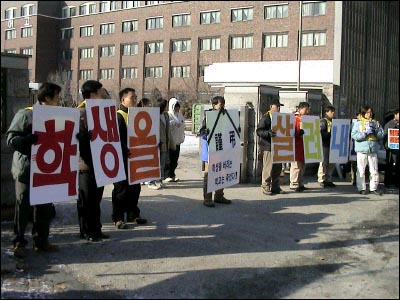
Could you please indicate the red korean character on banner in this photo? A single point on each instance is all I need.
(50, 140)
(283, 143)
(143, 145)
(108, 135)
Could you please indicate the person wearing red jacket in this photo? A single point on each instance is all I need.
(298, 167)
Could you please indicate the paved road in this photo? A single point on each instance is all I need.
(322, 243)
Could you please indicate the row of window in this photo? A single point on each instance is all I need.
(12, 33)
(211, 17)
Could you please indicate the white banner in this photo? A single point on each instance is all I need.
(105, 144)
(224, 149)
(339, 145)
(283, 146)
(312, 139)
(143, 138)
(55, 155)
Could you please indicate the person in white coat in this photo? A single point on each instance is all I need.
(177, 125)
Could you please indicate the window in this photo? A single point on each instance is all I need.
(153, 2)
(27, 51)
(181, 45)
(66, 33)
(276, 11)
(181, 20)
(106, 73)
(86, 52)
(10, 13)
(210, 44)
(154, 47)
(68, 11)
(86, 30)
(181, 71)
(11, 51)
(86, 74)
(106, 6)
(87, 9)
(313, 39)
(129, 73)
(27, 10)
(11, 34)
(201, 70)
(130, 4)
(129, 49)
(275, 40)
(107, 28)
(242, 14)
(313, 9)
(153, 72)
(67, 54)
(241, 42)
(210, 17)
(106, 51)
(26, 32)
(154, 23)
(131, 25)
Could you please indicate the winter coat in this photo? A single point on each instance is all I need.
(177, 122)
(264, 132)
(298, 138)
(366, 143)
(166, 139)
(325, 129)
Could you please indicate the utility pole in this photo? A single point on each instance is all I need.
(299, 44)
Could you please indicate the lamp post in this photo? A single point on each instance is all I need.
(299, 44)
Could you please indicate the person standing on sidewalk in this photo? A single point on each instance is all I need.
(271, 171)
(177, 125)
(392, 155)
(125, 197)
(20, 138)
(326, 169)
(298, 167)
(366, 132)
(90, 194)
(218, 103)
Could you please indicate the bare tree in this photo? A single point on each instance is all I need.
(61, 78)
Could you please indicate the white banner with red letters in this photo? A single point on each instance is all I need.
(54, 157)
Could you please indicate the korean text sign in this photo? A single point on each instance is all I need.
(393, 138)
(143, 138)
(224, 149)
(55, 155)
(339, 146)
(105, 144)
(283, 146)
(312, 140)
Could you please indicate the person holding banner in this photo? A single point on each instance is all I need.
(125, 197)
(326, 169)
(298, 167)
(366, 132)
(392, 153)
(20, 138)
(90, 194)
(218, 103)
(271, 171)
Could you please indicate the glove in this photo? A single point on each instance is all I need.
(272, 133)
(301, 131)
(30, 139)
(84, 136)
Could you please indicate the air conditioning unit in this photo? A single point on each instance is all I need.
(26, 20)
(10, 23)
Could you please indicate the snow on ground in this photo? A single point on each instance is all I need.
(191, 143)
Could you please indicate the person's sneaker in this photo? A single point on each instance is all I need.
(222, 200)
(298, 189)
(47, 248)
(273, 192)
(176, 179)
(139, 221)
(93, 239)
(322, 184)
(208, 203)
(153, 186)
(121, 225)
(376, 193)
(330, 184)
(267, 192)
(303, 188)
(19, 251)
(160, 184)
(169, 179)
(363, 192)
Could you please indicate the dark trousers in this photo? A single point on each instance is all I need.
(125, 199)
(89, 205)
(40, 215)
(392, 166)
(173, 161)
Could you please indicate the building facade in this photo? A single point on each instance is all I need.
(165, 46)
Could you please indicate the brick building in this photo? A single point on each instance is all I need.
(168, 44)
